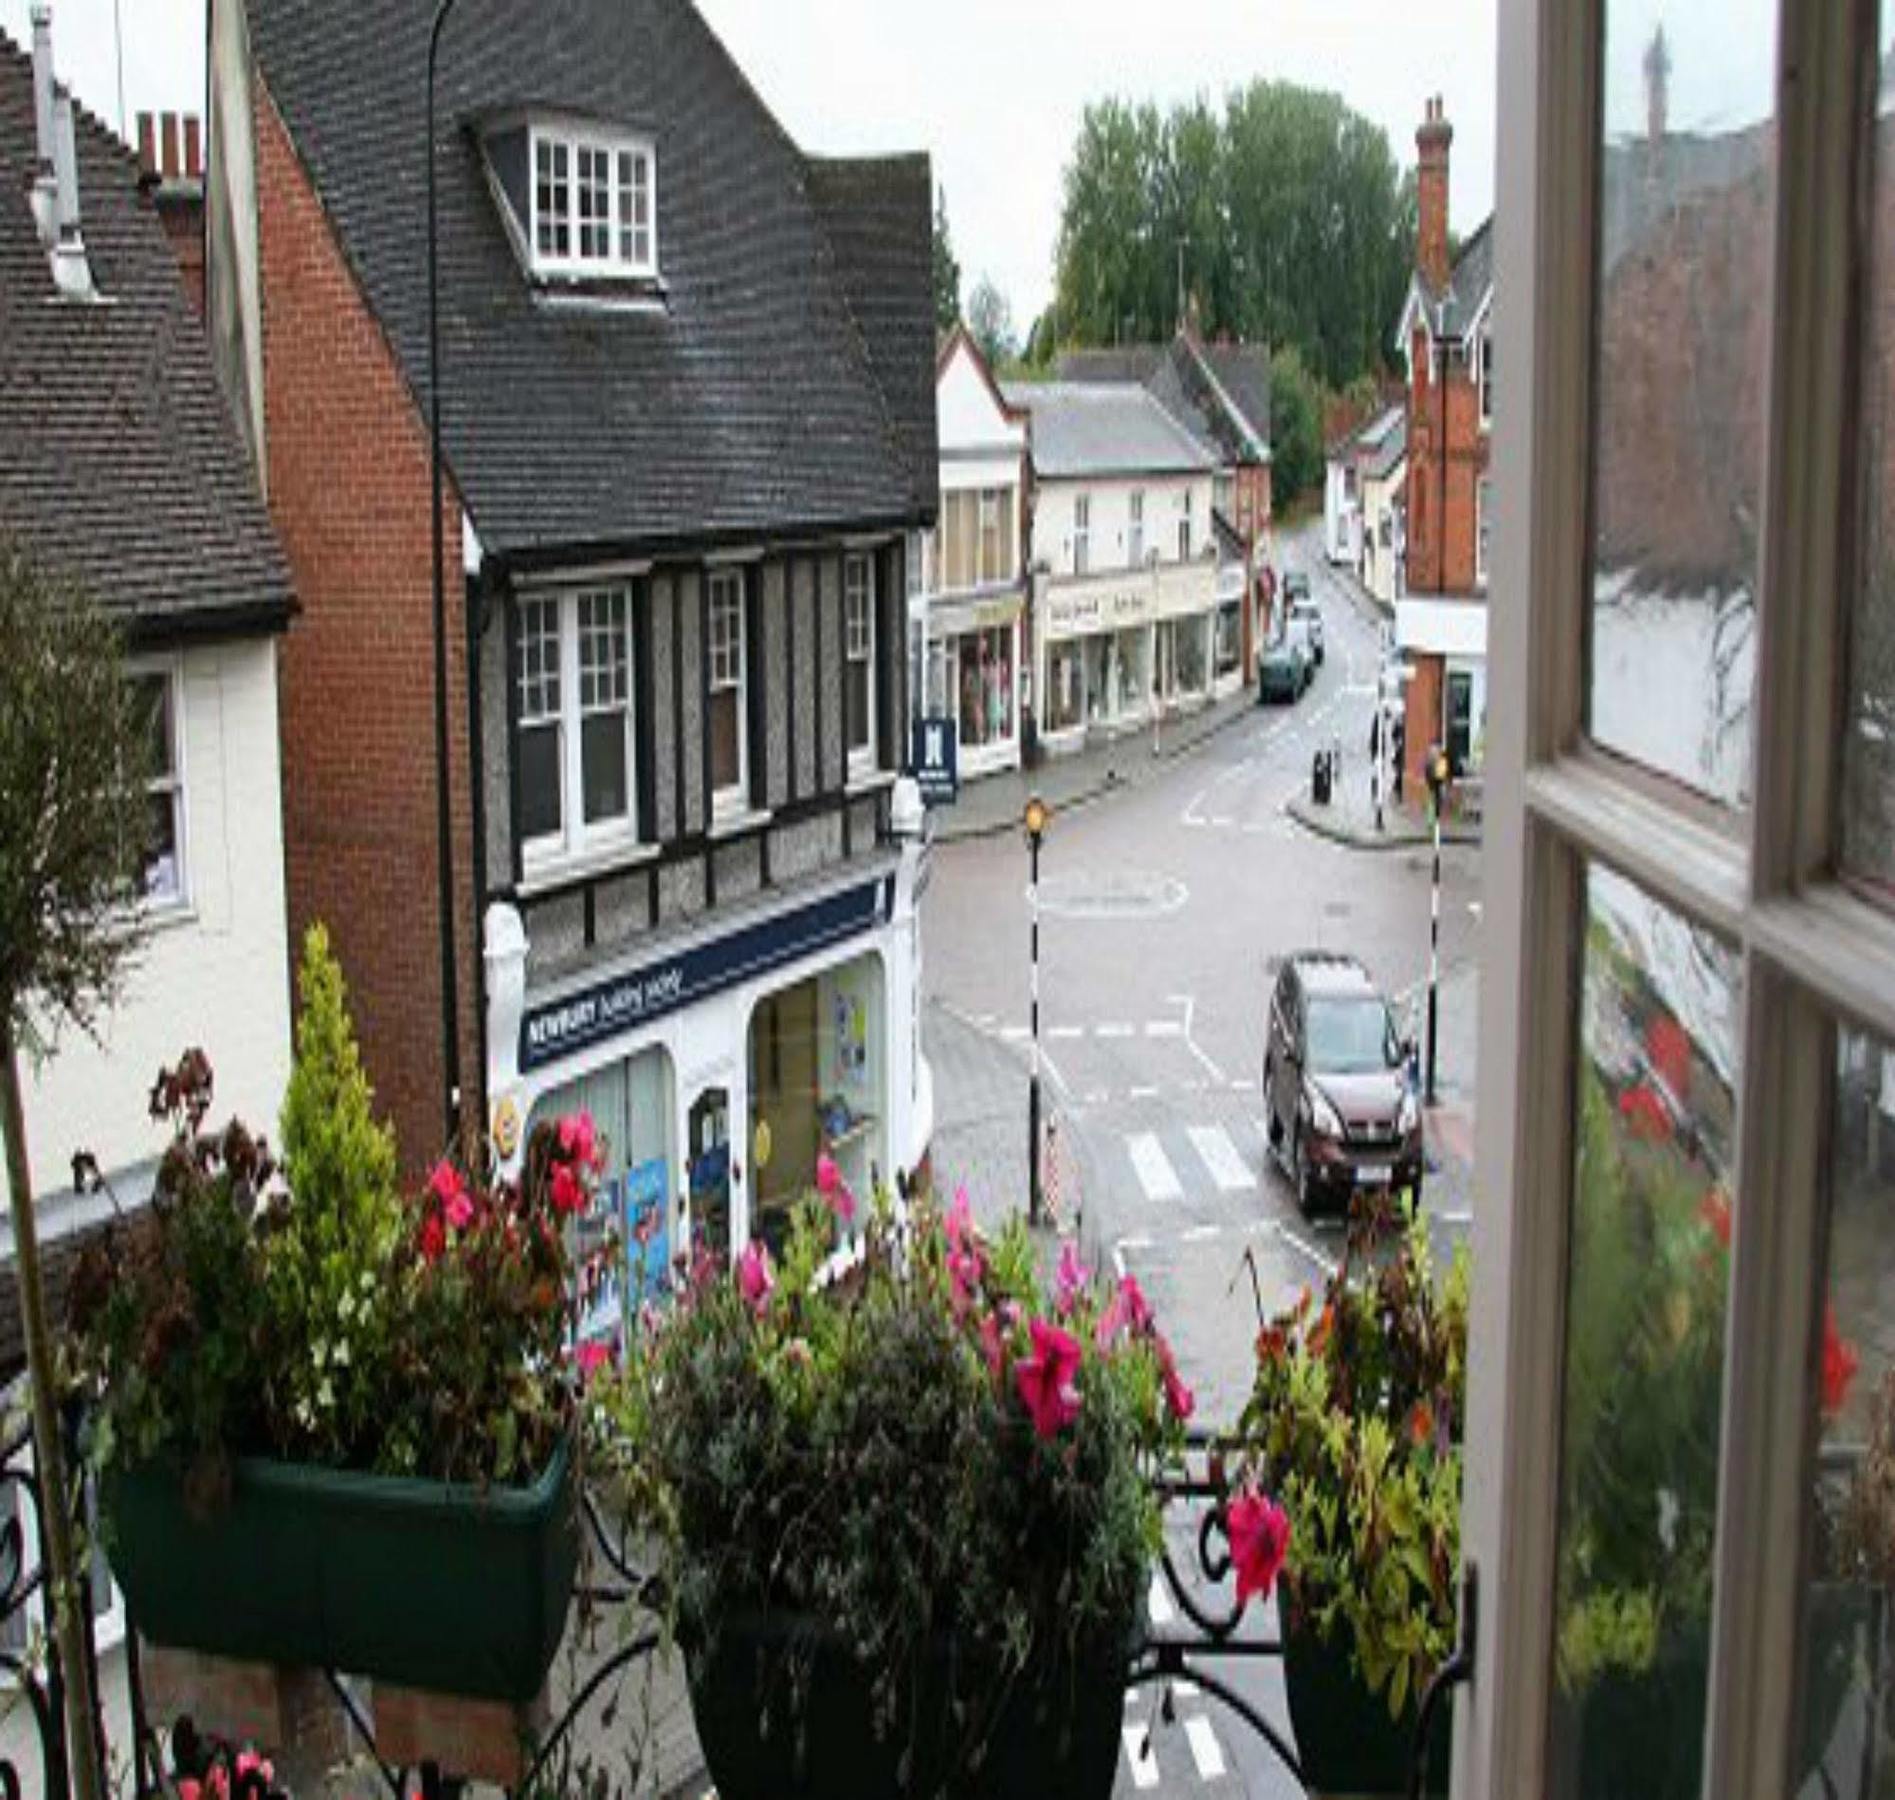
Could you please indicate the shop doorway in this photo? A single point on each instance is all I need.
(708, 1170)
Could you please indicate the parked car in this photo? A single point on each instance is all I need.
(1305, 614)
(1296, 631)
(1282, 672)
(1295, 585)
(1338, 1087)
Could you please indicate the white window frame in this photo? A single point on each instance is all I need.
(576, 842)
(1082, 534)
(170, 671)
(1486, 355)
(1812, 951)
(858, 646)
(620, 261)
(1135, 528)
(1185, 510)
(727, 670)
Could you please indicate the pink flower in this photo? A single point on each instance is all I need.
(1259, 1534)
(1071, 1280)
(445, 1181)
(1129, 1311)
(189, 1789)
(250, 1763)
(589, 1358)
(217, 1783)
(459, 1210)
(579, 1139)
(963, 1258)
(834, 1189)
(991, 1348)
(1045, 1379)
(754, 1280)
(569, 1194)
(1177, 1396)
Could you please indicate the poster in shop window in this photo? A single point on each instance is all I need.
(648, 1229)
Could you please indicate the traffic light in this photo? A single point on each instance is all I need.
(1439, 774)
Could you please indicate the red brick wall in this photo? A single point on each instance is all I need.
(182, 217)
(1422, 723)
(348, 481)
(1447, 456)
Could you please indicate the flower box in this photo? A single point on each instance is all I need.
(1054, 1734)
(1346, 1740)
(451, 1589)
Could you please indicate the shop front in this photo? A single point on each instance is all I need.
(973, 677)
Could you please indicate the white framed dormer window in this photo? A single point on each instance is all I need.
(593, 203)
(1184, 526)
(858, 644)
(157, 699)
(728, 680)
(574, 732)
(1135, 528)
(1082, 533)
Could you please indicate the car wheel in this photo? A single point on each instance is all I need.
(1275, 1125)
(1299, 1176)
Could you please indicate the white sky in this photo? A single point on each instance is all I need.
(993, 89)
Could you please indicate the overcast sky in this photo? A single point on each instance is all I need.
(994, 90)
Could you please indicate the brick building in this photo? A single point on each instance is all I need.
(687, 396)
(1446, 341)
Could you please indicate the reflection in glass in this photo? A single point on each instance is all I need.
(1684, 284)
(1644, 1352)
(1869, 759)
(1846, 1738)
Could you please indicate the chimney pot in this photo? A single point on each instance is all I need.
(193, 147)
(168, 145)
(147, 144)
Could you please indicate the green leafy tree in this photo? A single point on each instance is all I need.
(73, 825)
(990, 323)
(1296, 428)
(947, 272)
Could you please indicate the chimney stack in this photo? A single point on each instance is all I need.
(72, 274)
(45, 202)
(1432, 141)
(1657, 94)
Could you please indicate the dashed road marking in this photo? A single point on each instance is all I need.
(1201, 1234)
(1204, 1747)
(1219, 1156)
(1064, 1032)
(1141, 1093)
(1297, 1242)
(1013, 1034)
(1165, 1028)
(1112, 1031)
(1153, 1169)
(1158, 1603)
(1205, 1060)
(1139, 1753)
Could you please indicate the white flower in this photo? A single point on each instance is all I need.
(325, 1395)
(319, 1350)
(342, 1354)
(346, 1310)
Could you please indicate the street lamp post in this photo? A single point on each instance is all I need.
(1035, 822)
(1437, 788)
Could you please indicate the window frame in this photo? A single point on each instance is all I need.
(578, 138)
(1082, 534)
(168, 670)
(1135, 528)
(1814, 954)
(577, 842)
(1186, 513)
(862, 759)
(1483, 528)
(732, 800)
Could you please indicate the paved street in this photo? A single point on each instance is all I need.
(1162, 908)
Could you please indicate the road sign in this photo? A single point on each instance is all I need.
(936, 760)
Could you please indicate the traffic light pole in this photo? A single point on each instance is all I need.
(1033, 1084)
(1434, 938)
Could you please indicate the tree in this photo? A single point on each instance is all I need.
(73, 830)
(947, 272)
(990, 323)
(1296, 428)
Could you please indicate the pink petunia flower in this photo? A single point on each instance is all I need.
(1071, 1280)
(992, 1350)
(1045, 1379)
(834, 1189)
(458, 1210)
(444, 1182)
(589, 1359)
(1128, 1311)
(248, 1761)
(754, 1279)
(189, 1788)
(569, 1194)
(1259, 1534)
(579, 1138)
(1178, 1397)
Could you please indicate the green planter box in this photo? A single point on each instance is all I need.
(455, 1590)
(1346, 1742)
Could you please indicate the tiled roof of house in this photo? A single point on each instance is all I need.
(1243, 373)
(1106, 428)
(1456, 306)
(1383, 443)
(786, 382)
(120, 464)
(1219, 392)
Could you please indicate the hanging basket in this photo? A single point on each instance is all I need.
(451, 1589)
(1346, 1741)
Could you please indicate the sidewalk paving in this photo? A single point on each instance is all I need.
(1349, 819)
(994, 803)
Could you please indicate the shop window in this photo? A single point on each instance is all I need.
(1065, 687)
(1082, 533)
(727, 678)
(858, 635)
(1459, 723)
(1230, 637)
(1135, 528)
(707, 1171)
(983, 664)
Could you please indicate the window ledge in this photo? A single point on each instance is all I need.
(868, 781)
(563, 871)
(737, 822)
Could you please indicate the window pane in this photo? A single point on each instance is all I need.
(161, 876)
(1684, 285)
(858, 685)
(151, 702)
(1869, 759)
(602, 752)
(1845, 1744)
(539, 782)
(726, 764)
(1644, 1352)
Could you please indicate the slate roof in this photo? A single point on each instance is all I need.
(1382, 443)
(1243, 372)
(120, 463)
(1082, 428)
(1219, 392)
(1451, 310)
(787, 381)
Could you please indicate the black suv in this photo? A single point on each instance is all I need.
(1338, 1091)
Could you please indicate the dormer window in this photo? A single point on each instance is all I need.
(592, 199)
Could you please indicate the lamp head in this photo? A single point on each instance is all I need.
(1035, 818)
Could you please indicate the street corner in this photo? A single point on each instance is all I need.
(1350, 821)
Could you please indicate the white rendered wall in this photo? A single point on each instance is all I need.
(1111, 520)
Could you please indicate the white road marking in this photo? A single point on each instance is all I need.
(1204, 1749)
(1138, 1752)
(1199, 1234)
(1243, 1085)
(1139, 1240)
(1204, 1058)
(1052, 1070)
(1141, 1093)
(1164, 1028)
(1112, 1031)
(1219, 1155)
(1066, 1031)
(1158, 1603)
(1154, 1172)
(1013, 1034)
(1326, 1263)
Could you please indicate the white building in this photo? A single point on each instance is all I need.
(967, 613)
(1129, 613)
(1342, 507)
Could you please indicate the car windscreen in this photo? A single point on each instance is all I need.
(1351, 1037)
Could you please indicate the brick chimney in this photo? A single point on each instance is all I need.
(1431, 195)
(1657, 97)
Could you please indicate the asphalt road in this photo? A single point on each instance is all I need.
(1162, 910)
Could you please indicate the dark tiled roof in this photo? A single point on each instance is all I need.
(1383, 443)
(1106, 428)
(1242, 371)
(119, 461)
(1127, 362)
(750, 402)
(1218, 392)
(1469, 282)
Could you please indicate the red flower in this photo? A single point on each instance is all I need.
(1178, 1397)
(591, 1357)
(1421, 1423)
(1259, 1534)
(1715, 1211)
(1645, 1114)
(569, 1194)
(579, 1139)
(1325, 1324)
(1670, 1052)
(1840, 1363)
(834, 1189)
(1045, 1379)
(433, 1238)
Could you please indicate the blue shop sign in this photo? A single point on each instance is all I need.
(624, 1002)
(936, 760)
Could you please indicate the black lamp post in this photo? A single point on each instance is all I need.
(1034, 819)
(450, 988)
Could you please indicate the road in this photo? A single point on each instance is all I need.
(1162, 909)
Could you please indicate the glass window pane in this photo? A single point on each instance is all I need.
(160, 872)
(1644, 1352)
(1868, 834)
(1683, 302)
(539, 782)
(858, 682)
(726, 766)
(602, 754)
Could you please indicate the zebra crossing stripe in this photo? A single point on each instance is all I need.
(1158, 1603)
(1205, 1750)
(1154, 1171)
(1141, 1755)
(1219, 1156)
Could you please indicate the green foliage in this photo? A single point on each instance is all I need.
(1296, 429)
(73, 811)
(947, 272)
(1297, 227)
(856, 1452)
(1354, 1427)
(990, 323)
